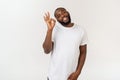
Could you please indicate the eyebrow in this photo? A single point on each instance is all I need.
(57, 14)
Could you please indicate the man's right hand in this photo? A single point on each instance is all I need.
(49, 21)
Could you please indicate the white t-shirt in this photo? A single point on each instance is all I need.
(65, 53)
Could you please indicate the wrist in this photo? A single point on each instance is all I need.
(49, 30)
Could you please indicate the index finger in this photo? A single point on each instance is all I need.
(48, 14)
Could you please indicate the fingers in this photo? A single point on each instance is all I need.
(47, 16)
(71, 76)
(53, 20)
(49, 21)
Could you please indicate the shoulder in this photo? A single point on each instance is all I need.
(80, 27)
(56, 29)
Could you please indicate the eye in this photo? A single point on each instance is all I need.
(58, 16)
(65, 12)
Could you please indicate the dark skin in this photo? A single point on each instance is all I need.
(63, 17)
(48, 44)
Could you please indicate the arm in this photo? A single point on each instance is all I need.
(48, 44)
(81, 61)
(82, 57)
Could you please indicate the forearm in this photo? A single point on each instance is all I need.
(81, 62)
(75, 75)
(47, 45)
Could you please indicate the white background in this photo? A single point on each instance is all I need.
(22, 32)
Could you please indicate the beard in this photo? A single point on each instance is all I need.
(65, 23)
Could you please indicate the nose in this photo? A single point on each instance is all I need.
(62, 15)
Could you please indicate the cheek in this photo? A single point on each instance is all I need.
(59, 19)
(66, 14)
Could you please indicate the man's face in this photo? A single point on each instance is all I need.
(63, 16)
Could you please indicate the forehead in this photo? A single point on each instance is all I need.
(60, 10)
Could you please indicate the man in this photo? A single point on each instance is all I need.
(67, 43)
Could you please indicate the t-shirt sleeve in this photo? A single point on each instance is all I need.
(84, 38)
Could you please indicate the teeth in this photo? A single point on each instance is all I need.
(65, 18)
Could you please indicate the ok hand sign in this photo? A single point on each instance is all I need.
(49, 21)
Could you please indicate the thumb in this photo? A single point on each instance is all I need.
(69, 78)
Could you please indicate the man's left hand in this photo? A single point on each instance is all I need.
(73, 76)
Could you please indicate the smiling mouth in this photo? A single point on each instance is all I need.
(65, 19)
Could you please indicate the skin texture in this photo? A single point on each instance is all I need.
(63, 17)
(48, 44)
